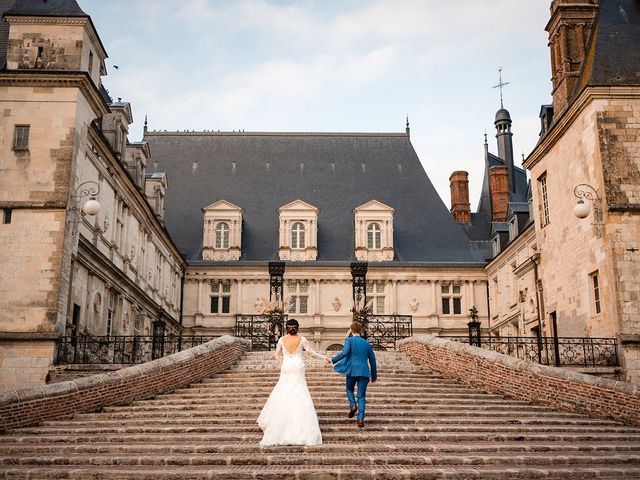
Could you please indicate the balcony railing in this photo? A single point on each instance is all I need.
(555, 351)
(122, 350)
(263, 331)
(383, 331)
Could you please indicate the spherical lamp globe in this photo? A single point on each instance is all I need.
(581, 210)
(91, 207)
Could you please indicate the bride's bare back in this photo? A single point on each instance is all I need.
(291, 343)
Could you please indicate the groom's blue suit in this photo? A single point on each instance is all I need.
(354, 362)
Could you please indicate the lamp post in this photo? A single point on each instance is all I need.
(359, 282)
(276, 280)
(474, 327)
(89, 190)
(584, 191)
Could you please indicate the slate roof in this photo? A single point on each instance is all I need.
(613, 54)
(47, 8)
(335, 172)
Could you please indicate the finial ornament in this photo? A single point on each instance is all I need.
(407, 121)
(500, 85)
(407, 129)
(145, 123)
(485, 137)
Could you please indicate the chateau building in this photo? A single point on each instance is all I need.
(318, 201)
(71, 266)
(97, 244)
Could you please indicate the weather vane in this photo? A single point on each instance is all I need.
(500, 85)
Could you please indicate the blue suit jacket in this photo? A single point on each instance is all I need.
(355, 358)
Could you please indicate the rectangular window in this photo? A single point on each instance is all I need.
(375, 296)
(595, 282)
(220, 297)
(544, 199)
(451, 299)
(111, 306)
(6, 216)
(298, 296)
(21, 137)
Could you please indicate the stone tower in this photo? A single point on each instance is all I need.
(505, 143)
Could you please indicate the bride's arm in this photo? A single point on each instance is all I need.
(307, 348)
(279, 349)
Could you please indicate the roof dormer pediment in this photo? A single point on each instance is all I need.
(374, 206)
(222, 205)
(298, 205)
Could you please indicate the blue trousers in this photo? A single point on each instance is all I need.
(362, 392)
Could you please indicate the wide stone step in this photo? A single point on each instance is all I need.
(254, 409)
(168, 446)
(101, 421)
(320, 374)
(373, 414)
(326, 458)
(348, 435)
(328, 389)
(328, 428)
(372, 400)
(314, 472)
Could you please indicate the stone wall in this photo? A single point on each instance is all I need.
(27, 407)
(523, 380)
(24, 359)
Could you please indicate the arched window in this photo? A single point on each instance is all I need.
(374, 236)
(222, 235)
(297, 235)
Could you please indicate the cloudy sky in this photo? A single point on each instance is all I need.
(334, 65)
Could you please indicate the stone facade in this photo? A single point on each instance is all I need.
(591, 270)
(66, 272)
(514, 305)
(403, 291)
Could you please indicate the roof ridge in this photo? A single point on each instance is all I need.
(272, 134)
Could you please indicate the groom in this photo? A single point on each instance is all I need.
(355, 358)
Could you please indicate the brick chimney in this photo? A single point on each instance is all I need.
(499, 185)
(460, 207)
(569, 29)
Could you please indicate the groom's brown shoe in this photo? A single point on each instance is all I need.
(361, 423)
(352, 412)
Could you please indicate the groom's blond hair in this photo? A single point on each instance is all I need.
(356, 327)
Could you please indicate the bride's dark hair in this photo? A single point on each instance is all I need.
(292, 326)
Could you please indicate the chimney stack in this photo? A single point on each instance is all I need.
(499, 185)
(460, 207)
(569, 29)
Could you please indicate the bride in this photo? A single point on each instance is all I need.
(289, 417)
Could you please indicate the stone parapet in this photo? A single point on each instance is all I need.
(520, 379)
(27, 407)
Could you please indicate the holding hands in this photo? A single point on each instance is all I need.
(327, 359)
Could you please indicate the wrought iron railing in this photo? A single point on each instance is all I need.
(262, 330)
(122, 349)
(554, 351)
(383, 331)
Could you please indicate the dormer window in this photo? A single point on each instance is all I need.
(298, 231)
(222, 231)
(374, 232)
(373, 236)
(297, 235)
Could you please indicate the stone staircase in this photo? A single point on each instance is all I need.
(419, 426)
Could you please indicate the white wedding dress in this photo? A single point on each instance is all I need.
(289, 417)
